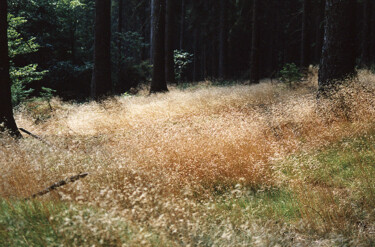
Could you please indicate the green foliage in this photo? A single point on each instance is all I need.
(26, 223)
(71, 78)
(290, 73)
(132, 69)
(182, 60)
(132, 45)
(47, 93)
(21, 76)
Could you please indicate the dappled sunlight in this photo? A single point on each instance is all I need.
(158, 160)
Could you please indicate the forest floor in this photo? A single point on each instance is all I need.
(205, 165)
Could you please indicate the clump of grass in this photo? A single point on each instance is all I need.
(28, 223)
(202, 166)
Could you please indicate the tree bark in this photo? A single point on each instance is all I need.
(101, 77)
(223, 39)
(319, 32)
(366, 34)
(304, 35)
(158, 83)
(254, 58)
(169, 43)
(338, 54)
(152, 6)
(182, 25)
(7, 122)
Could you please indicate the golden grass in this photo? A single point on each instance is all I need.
(157, 160)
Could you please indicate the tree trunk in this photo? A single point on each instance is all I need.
(169, 43)
(152, 5)
(304, 35)
(6, 112)
(223, 38)
(158, 83)
(254, 58)
(101, 77)
(120, 78)
(182, 24)
(366, 34)
(319, 33)
(338, 55)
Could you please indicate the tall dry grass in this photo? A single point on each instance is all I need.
(158, 161)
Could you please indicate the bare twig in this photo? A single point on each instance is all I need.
(59, 184)
(35, 136)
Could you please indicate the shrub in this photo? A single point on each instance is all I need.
(290, 73)
(21, 76)
(181, 60)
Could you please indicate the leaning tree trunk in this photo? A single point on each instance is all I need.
(101, 83)
(254, 58)
(339, 53)
(6, 112)
(169, 42)
(158, 83)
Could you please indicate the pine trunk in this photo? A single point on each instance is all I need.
(6, 112)
(152, 6)
(254, 58)
(182, 25)
(101, 77)
(366, 34)
(304, 35)
(338, 54)
(223, 39)
(169, 42)
(158, 83)
(319, 32)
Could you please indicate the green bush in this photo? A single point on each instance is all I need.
(133, 70)
(21, 76)
(290, 73)
(182, 60)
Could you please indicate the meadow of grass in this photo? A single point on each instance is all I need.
(208, 165)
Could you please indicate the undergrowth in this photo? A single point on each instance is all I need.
(235, 165)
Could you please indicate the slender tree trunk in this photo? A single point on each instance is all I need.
(197, 73)
(304, 35)
(158, 83)
(169, 43)
(223, 38)
(254, 59)
(73, 41)
(152, 6)
(101, 83)
(366, 34)
(338, 55)
(120, 78)
(6, 112)
(319, 33)
(182, 24)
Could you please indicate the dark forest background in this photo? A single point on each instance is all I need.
(211, 40)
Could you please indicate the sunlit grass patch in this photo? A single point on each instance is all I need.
(230, 165)
(335, 186)
(28, 223)
(272, 203)
(341, 165)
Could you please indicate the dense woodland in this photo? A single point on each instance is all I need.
(231, 40)
(187, 123)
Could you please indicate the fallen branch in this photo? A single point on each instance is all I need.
(59, 184)
(35, 136)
